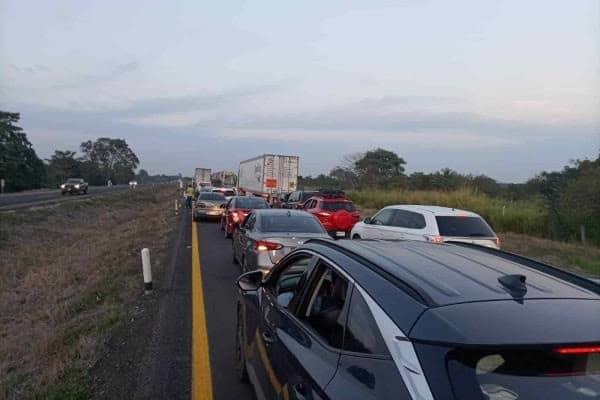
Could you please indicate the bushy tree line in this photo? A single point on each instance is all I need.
(99, 161)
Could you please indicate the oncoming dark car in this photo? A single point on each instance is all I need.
(415, 320)
(74, 186)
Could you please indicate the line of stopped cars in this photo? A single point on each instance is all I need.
(437, 312)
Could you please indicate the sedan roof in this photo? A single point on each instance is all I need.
(435, 210)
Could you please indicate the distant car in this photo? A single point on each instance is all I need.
(236, 211)
(74, 186)
(227, 192)
(268, 235)
(356, 320)
(133, 184)
(296, 198)
(209, 205)
(335, 211)
(426, 223)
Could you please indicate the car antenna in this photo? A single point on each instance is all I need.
(515, 285)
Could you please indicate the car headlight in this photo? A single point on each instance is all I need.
(77, 186)
(62, 186)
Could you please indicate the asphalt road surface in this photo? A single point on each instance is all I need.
(191, 354)
(12, 201)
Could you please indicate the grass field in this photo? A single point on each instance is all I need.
(68, 275)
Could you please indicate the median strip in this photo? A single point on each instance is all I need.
(201, 374)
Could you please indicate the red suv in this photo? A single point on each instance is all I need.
(236, 211)
(335, 211)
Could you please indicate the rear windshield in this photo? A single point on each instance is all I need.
(251, 202)
(337, 205)
(225, 192)
(211, 196)
(524, 374)
(290, 223)
(463, 227)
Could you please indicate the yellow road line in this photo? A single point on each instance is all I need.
(201, 375)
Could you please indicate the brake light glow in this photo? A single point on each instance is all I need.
(235, 216)
(578, 350)
(265, 246)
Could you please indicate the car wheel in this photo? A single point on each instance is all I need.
(63, 193)
(240, 340)
(85, 191)
(356, 236)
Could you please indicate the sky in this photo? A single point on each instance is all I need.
(503, 88)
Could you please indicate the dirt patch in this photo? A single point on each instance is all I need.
(69, 275)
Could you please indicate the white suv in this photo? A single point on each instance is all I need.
(426, 223)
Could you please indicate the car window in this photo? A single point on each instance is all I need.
(463, 226)
(310, 204)
(383, 217)
(362, 334)
(293, 196)
(251, 203)
(338, 205)
(292, 223)
(408, 219)
(250, 221)
(307, 195)
(479, 373)
(211, 196)
(290, 281)
(324, 313)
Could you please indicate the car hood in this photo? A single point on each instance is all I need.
(508, 322)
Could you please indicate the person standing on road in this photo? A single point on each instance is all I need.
(189, 193)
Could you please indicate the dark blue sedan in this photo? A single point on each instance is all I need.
(412, 320)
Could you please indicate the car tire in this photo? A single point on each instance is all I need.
(240, 340)
(356, 236)
(235, 260)
(85, 191)
(63, 193)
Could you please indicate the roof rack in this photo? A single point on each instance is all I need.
(589, 284)
(415, 292)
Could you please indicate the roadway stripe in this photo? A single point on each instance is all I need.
(201, 375)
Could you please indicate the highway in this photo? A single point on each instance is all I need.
(191, 353)
(13, 201)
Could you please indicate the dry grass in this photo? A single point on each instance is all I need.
(67, 274)
(572, 256)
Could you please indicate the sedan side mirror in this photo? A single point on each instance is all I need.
(367, 220)
(250, 281)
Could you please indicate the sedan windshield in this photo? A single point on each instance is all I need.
(211, 197)
(73, 180)
(463, 227)
(251, 202)
(290, 223)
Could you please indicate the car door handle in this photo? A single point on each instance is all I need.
(267, 337)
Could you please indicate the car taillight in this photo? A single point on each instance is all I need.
(434, 238)
(497, 240)
(265, 246)
(577, 350)
(235, 216)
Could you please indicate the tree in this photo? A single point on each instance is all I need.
(345, 178)
(63, 165)
(20, 166)
(108, 158)
(143, 176)
(379, 167)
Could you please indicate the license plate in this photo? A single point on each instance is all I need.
(340, 234)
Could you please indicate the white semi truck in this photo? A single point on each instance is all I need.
(202, 179)
(268, 174)
(224, 178)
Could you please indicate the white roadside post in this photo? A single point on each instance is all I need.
(2, 183)
(147, 270)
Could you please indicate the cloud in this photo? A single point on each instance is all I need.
(32, 69)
